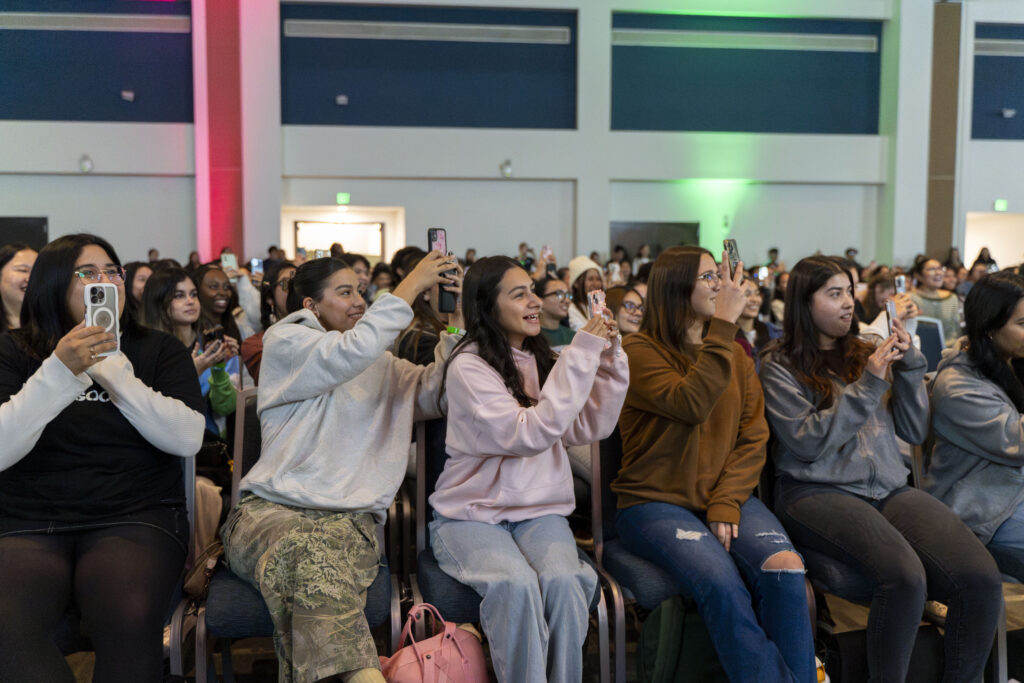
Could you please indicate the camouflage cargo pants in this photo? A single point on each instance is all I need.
(313, 568)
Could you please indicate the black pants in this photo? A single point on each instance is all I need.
(910, 545)
(122, 578)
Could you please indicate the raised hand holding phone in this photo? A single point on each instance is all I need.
(730, 299)
(433, 269)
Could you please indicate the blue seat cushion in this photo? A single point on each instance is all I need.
(832, 576)
(457, 601)
(234, 609)
(649, 583)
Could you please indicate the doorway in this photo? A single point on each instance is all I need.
(659, 236)
(366, 239)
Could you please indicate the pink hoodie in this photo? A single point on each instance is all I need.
(509, 463)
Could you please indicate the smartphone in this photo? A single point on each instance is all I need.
(213, 334)
(229, 262)
(321, 253)
(300, 251)
(762, 275)
(437, 239)
(900, 282)
(890, 309)
(597, 302)
(545, 252)
(256, 266)
(734, 253)
(101, 309)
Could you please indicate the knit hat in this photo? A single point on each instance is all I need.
(580, 265)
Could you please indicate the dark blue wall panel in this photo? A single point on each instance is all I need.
(428, 83)
(998, 84)
(757, 91)
(79, 75)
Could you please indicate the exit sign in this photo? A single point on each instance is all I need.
(1001, 205)
(343, 197)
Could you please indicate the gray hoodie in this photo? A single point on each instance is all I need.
(976, 462)
(852, 444)
(337, 409)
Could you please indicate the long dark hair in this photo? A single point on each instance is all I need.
(130, 269)
(988, 307)
(8, 252)
(798, 346)
(480, 292)
(268, 316)
(154, 309)
(207, 319)
(44, 312)
(668, 312)
(310, 280)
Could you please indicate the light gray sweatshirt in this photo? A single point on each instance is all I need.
(337, 409)
(852, 443)
(977, 460)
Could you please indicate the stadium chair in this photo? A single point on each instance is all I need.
(235, 609)
(458, 602)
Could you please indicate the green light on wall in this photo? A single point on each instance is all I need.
(1000, 205)
(344, 197)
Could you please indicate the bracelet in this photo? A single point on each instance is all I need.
(455, 330)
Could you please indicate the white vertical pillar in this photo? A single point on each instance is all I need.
(904, 120)
(260, 62)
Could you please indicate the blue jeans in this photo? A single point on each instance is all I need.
(767, 638)
(1011, 532)
(536, 592)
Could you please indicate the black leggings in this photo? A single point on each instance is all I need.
(122, 579)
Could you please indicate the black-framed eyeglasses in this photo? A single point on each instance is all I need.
(560, 295)
(114, 274)
(633, 308)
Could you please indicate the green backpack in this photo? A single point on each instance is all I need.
(675, 646)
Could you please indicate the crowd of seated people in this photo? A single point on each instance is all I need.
(695, 361)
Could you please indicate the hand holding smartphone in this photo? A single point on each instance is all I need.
(101, 308)
(734, 253)
(900, 283)
(437, 239)
(597, 302)
(890, 310)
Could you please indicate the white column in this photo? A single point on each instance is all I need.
(260, 66)
(904, 120)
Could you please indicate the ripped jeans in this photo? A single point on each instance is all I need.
(762, 639)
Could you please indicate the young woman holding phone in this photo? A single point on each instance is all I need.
(837, 403)
(693, 437)
(501, 502)
(92, 501)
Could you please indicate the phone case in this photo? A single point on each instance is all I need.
(597, 301)
(101, 309)
(890, 309)
(733, 251)
(437, 239)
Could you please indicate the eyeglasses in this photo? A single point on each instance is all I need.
(711, 277)
(561, 296)
(633, 308)
(114, 275)
(283, 283)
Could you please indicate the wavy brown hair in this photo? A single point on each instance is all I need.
(798, 348)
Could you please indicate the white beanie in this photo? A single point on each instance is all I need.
(578, 266)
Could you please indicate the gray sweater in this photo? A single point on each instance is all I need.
(851, 444)
(978, 456)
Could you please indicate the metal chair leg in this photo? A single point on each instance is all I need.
(602, 637)
(202, 647)
(177, 636)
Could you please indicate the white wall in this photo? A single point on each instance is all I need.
(797, 219)
(1002, 233)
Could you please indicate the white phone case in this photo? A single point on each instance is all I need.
(101, 309)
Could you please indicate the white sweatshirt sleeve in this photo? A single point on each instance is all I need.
(165, 422)
(50, 390)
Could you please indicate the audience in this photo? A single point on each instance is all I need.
(837, 405)
(627, 308)
(92, 502)
(304, 532)
(274, 306)
(533, 382)
(15, 268)
(693, 439)
(584, 277)
(555, 299)
(501, 502)
(934, 302)
(977, 408)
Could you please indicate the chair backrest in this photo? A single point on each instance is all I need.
(430, 458)
(932, 340)
(248, 439)
(605, 459)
